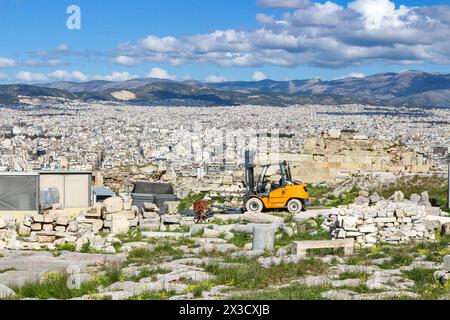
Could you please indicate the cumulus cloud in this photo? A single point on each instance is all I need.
(283, 3)
(310, 33)
(156, 44)
(68, 76)
(159, 73)
(115, 76)
(64, 75)
(124, 61)
(215, 79)
(258, 76)
(63, 48)
(7, 63)
(27, 76)
(42, 63)
(265, 19)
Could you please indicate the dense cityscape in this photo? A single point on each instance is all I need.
(195, 141)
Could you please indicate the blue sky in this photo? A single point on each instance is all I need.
(220, 39)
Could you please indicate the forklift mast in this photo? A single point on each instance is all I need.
(285, 172)
(249, 175)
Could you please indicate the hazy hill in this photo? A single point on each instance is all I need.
(413, 88)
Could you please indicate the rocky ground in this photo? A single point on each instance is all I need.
(216, 261)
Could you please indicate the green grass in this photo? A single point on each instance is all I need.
(101, 298)
(426, 284)
(240, 239)
(319, 192)
(435, 185)
(142, 256)
(188, 202)
(66, 247)
(420, 276)
(285, 239)
(185, 241)
(117, 246)
(182, 229)
(354, 275)
(7, 269)
(53, 287)
(434, 251)
(403, 254)
(111, 275)
(150, 295)
(294, 292)
(255, 276)
(86, 248)
(319, 234)
(323, 197)
(147, 273)
(361, 289)
(400, 258)
(131, 236)
(344, 199)
(197, 289)
(227, 222)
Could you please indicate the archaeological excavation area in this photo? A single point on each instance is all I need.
(374, 248)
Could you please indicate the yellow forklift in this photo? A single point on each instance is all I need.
(263, 195)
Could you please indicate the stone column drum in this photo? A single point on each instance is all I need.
(263, 237)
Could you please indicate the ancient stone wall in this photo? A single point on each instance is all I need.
(335, 156)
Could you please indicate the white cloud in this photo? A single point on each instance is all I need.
(30, 76)
(64, 75)
(352, 75)
(115, 76)
(7, 63)
(63, 48)
(283, 3)
(264, 18)
(156, 44)
(3, 77)
(378, 13)
(68, 76)
(215, 79)
(159, 73)
(258, 76)
(124, 60)
(42, 63)
(316, 34)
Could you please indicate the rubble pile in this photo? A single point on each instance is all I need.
(386, 221)
(7, 230)
(443, 276)
(95, 228)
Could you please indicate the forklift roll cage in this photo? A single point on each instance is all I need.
(255, 189)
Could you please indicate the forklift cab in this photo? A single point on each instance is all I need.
(262, 186)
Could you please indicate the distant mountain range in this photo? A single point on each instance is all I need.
(408, 88)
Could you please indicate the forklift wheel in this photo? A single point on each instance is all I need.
(295, 206)
(254, 205)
